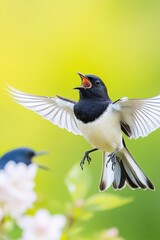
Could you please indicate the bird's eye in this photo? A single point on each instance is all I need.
(97, 82)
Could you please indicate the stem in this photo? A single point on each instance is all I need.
(2, 234)
(71, 218)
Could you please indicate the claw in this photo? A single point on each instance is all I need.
(89, 159)
(112, 158)
(86, 156)
(81, 164)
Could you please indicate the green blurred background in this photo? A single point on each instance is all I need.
(43, 44)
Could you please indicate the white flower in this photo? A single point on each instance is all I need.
(42, 226)
(16, 188)
(112, 232)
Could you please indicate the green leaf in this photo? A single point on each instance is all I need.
(85, 215)
(78, 182)
(74, 231)
(102, 202)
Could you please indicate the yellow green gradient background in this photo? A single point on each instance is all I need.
(43, 44)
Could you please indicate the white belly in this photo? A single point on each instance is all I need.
(104, 133)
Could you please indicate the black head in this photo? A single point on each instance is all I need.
(18, 155)
(92, 86)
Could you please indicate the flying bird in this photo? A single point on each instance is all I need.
(18, 155)
(101, 122)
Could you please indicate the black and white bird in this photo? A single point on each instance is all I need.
(101, 122)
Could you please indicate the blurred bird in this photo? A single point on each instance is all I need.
(23, 155)
(101, 122)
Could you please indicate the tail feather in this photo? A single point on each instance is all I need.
(120, 179)
(126, 171)
(130, 181)
(134, 171)
(107, 173)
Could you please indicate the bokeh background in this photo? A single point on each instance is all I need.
(43, 44)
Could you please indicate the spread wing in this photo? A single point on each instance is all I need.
(139, 117)
(58, 110)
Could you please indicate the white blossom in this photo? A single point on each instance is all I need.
(112, 232)
(42, 226)
(17, 188)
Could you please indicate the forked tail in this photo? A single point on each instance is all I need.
(126, 171)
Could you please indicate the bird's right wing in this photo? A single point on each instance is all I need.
(58, 110)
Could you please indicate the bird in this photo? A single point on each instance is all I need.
(102, 122)
(20, 155)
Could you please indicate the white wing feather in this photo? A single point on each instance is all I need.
(57, 110)
(141, 115)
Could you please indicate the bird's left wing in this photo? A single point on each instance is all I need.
(58, 110)
(138, 117)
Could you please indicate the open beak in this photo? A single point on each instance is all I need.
(39, 154)
(43, 167)
(86, 84)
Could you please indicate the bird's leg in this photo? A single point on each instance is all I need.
(112, 158)
(86, 156)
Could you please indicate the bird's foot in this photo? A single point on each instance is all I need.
(87, 157)
(112, 158)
